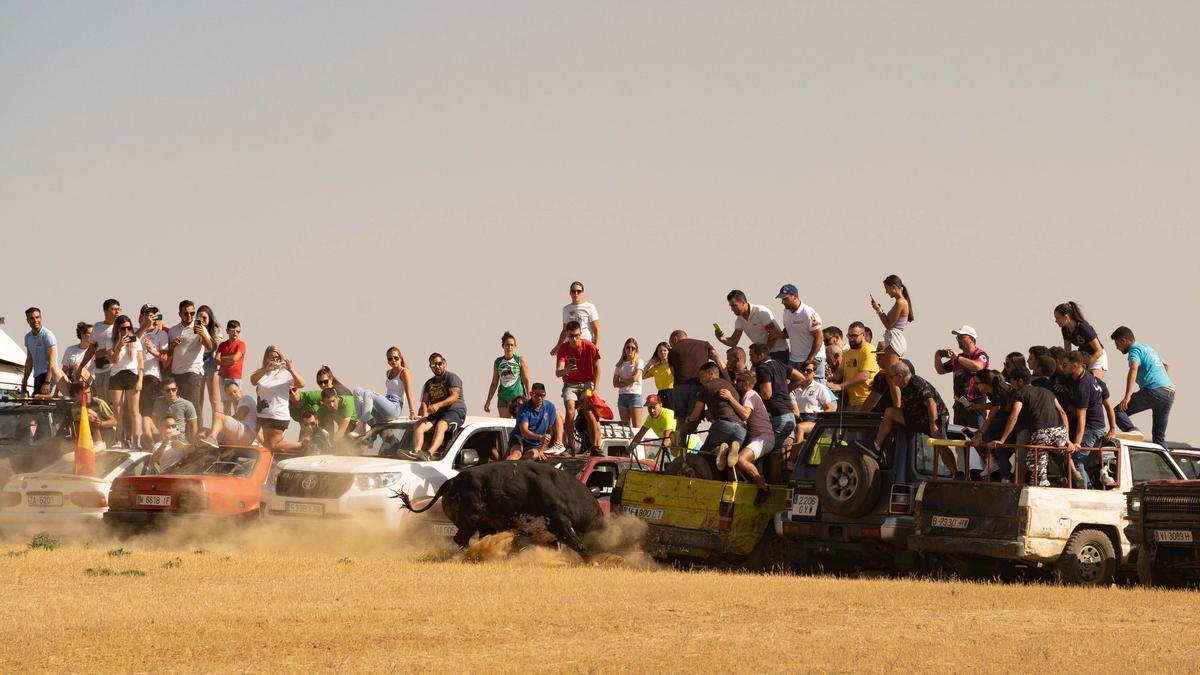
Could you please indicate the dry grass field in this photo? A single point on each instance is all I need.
(264, 601)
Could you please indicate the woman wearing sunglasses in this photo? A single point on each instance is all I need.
(125, 384)
(628, 380)
(379, 408)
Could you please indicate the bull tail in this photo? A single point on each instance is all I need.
(404, 500)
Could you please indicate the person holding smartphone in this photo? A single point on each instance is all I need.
(275, 380)
(188, 340)
(125, 385)
(154, 342)
(969, 401)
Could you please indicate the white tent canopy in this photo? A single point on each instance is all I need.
(12, 362)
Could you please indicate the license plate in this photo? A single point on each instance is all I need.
(45, 499)
(1173, 536)
(641, 512)
(445, 529)
(948, 521)
(804, 505)
(154, 500)
(306, 508)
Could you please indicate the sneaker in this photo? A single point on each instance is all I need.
(1132, 435)
(1106, 480)
(722, 461)
(734, 450)
(763, 495)
(556, 449)
(206, 442)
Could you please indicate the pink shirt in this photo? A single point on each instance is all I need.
(759, 424)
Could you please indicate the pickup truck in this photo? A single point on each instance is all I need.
(703, 521)
(982, 528)
(849, 508)
(1165, 525)
(33, 433)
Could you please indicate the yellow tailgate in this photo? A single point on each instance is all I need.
(673, 501)
(750, 521)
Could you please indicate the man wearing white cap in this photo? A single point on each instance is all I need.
(970, 359)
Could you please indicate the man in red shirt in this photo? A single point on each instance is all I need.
(578, 363)
(231, 354)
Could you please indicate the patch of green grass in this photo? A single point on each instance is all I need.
(16, 554)
(110, 572)
(118, 552)
(44, 541)
(173, 563)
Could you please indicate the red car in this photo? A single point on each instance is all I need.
(224, 484)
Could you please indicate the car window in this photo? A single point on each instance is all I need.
(106, 461)
(486, 442)
(1147, 465)
(137, 468)
(924, 457)
(387, 441)
(1189, 466)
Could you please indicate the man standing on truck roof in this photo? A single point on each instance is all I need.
(578, 364)
(686, 357)
(802, 328)
(41, 353)
(1156, 391)
(726, 428)
(755, 321)
(858, 367)
(1033, 409)
(921, 410)
(969, 402)
(101, 349)
(760, 439)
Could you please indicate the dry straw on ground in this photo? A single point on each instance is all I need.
(253, 602)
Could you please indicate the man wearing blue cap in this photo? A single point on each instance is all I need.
(802, 328)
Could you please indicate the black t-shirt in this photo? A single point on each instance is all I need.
(912, 402)
(881, 386)
(770, 370)
(686, 358)
(1081, 337)
(1063, 387)
(1039, 403)
(709, 394)
(1088, 393)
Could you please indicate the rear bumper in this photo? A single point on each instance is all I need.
(145, 518)
(892, 531)
(370, 511)
(15, 521)
(990, 548)
(672, 542)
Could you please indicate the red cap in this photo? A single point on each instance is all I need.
(653, 399)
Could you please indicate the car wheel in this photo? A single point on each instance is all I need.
(848, 482)
(1088, 559)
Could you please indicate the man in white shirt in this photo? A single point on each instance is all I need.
(802, 328)
(241, 428)
(188, 341)
(154, 347)
(755, 321)
(101, 349)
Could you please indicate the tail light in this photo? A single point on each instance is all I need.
(89, 500)
(901, 500)
(9, 499)
(725, 517)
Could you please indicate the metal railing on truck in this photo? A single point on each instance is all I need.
(1018, 466)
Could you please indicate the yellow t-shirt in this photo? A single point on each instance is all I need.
(855, 361)
(663, 377)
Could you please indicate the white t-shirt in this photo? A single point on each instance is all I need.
(755, 327)
(102, 335)
(585, 313)
(71, 358)
(799, 326)
(626, 369)
(813, 398)
(127, 357)
(250, 421)
(189, 355)
(275, 388)
(158, 339)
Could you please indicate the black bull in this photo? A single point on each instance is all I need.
(494, 497)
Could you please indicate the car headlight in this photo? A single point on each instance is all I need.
(1135, 505)
(373, 481)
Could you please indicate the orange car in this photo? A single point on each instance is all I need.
(225, 483)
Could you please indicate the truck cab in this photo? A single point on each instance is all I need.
(848, 506)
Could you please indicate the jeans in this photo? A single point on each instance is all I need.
(723, 430)
(383, 409)
(1089, 440)
(685, 396)
(1158, 402)
(191, 387)
(783, 426)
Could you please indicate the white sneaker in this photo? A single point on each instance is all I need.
(722, 462)
(206, 442)
(556, 449)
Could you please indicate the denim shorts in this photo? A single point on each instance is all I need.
(630, 400)
(573, 391)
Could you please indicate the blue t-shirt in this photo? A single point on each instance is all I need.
(1088, 393)
(1151, 374)
(39, 345)
(539, 421)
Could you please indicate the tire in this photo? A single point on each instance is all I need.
(1087, 560)
(767, 555)
(692, 466)
(848, 483)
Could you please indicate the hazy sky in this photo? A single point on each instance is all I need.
(346, 176)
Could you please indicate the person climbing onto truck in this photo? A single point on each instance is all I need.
(921, 408)
(760, 438)
(726, 428)
(1156, 391)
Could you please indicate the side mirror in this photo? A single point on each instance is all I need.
(468, 457)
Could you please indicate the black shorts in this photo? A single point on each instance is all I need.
(122, 381)
(449, 416)
(278, 425)
(151, 392)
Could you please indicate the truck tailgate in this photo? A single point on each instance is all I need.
(977, 510)
(672, 501)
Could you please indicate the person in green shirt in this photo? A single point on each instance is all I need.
(510, 377)
(311, 400)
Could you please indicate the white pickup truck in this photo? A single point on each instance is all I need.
(987, 528)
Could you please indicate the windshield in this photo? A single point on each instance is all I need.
(1190, 466)
(1149, 465)
(106, 461)
(22, 426)
(225, 462)
(396, 440)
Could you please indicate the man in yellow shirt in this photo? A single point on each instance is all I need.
(660, 420)
(858, 367)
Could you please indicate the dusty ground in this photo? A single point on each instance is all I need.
(271, 602)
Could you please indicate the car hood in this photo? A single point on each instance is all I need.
(341, 464)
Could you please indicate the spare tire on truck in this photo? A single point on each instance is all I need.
(848, 482)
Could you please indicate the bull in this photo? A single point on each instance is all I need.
(496, 497)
